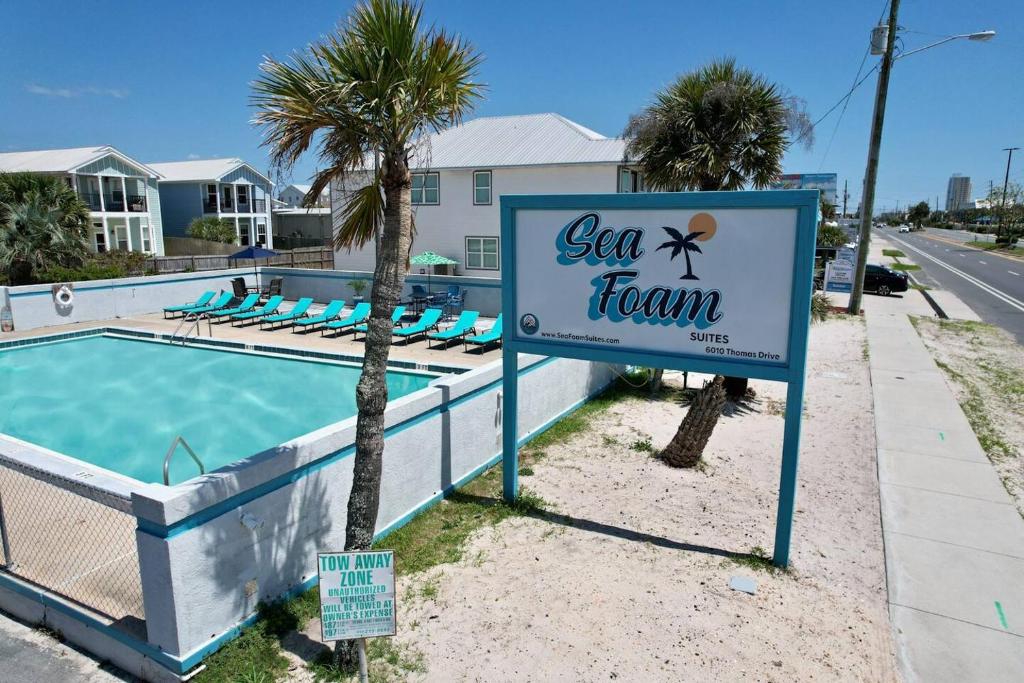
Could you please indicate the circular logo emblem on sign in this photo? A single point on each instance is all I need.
(529, 323)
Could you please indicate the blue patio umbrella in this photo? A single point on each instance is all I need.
(253, 253)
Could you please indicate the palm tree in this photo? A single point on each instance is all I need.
(721, 127)
(42, 223)
(363, 96)
(677, 244)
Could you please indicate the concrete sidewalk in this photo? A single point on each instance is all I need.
(954, 542)
(28, 655)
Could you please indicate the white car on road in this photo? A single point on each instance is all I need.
(904, 228)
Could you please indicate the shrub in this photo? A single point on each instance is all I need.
(821, 308)
(106, 266)
(212, 229)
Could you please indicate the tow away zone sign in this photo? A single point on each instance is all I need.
(357, 594)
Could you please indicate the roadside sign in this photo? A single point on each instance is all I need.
(846, 254)
(839, 276)
(357, 594)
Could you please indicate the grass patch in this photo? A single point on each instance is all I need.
(526, 471)
(905, 266)
(758, 560)
(992, 246)
(894, 253)
(386, 660)
(643, 445)
(920, 288)
(973, 406)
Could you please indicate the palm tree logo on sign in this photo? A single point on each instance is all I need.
(702, 227)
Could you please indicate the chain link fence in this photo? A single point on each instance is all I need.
(71, 539)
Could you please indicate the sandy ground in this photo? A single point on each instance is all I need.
(985, 364)
(629, 580)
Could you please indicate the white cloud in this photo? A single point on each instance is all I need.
(192, 156)
(46, 91)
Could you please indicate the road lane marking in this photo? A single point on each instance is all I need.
(1002, 296)
(1013, 273)
(983, 263)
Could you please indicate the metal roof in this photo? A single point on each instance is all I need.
(63, 160)
(201, 169)
(526, 140)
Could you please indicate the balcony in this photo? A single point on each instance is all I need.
(226, 205)
(137, 203)
(91, 199)
(209, 206)
(113, 202)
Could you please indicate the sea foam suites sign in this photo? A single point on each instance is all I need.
(712, 283)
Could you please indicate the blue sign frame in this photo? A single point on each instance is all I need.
(791, 371)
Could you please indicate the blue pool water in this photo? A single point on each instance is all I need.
(118, 403)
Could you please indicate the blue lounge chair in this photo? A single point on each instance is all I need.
(248, 303)
(396, 319)
(462, 327)
(223, 300)
(206, 298)
(269, 308)
(330, 313)
(489, 337)
(298, 311)
(358, 315)
(427, 322)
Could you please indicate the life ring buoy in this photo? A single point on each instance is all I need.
(64, 297)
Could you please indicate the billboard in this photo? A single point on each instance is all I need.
(828, 183)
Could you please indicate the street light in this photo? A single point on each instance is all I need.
(884, 35)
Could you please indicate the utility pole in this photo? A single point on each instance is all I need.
(1006, 181)
(871, 174)
(846, 196)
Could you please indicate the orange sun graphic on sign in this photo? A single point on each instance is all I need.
(705, 224)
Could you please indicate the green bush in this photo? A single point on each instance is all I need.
(212, 229)
(106, 266)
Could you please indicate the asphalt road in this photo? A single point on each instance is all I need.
(991, 284)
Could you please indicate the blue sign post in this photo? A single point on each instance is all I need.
(597, 277)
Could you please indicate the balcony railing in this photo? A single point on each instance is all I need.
(137, 202)
(91, 199)
(113, 202)
(225, 205)
(209, 206)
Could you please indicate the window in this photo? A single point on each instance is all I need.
(426, 188)
(211, 198)
(99, 237)
(482, 253)
(261, 234)
(121, 233)
(481, 187)
(243, 233)
(243, 195)
(146, 242)
(226, 201)
(630, 180)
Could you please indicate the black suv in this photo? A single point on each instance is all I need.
(884, 281)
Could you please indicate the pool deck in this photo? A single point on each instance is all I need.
(416, 351)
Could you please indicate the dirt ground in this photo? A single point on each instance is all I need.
(629, 578)
(986, 369)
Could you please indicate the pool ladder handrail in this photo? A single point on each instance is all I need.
(179, 439)
(196, 319)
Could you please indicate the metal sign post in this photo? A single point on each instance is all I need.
(713, 282)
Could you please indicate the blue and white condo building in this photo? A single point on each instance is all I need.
(230, 189)
(121, 193)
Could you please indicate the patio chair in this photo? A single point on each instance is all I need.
(491, 336)
(269, 308)
(428, 321)
(396, 319)
(419, 297)
(225, 299)
(238, 287)
(206, 298)
(332, 311)
(298, 311)
(274, 288)
(248, 303)
(358, 315)
(455, 300)
(463, 326)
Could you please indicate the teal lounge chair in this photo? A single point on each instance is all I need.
(248, 303)
(330, 313)
(269, 308)
(206, 298)
(223, 300)
(298, 311)
(489, 337)
(358, 315)
(426, 323)
(462, 327)
(396, 318)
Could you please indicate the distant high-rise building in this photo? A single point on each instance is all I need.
(958, 192)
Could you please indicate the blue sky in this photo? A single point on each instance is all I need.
(165, 81)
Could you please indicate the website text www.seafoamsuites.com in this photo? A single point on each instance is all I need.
(568, 336)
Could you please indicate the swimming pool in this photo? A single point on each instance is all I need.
(118, 403)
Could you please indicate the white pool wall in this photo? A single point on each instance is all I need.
(203, 575)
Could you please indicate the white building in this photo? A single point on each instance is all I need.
(121, 193)
(293, 195)
(958, 193)
(461, 172)
(229, 189)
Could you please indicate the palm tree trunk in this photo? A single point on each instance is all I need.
(372, 391)
(687, 446)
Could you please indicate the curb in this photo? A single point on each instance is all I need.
(928, 297)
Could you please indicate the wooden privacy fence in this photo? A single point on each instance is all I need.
(321, 258)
